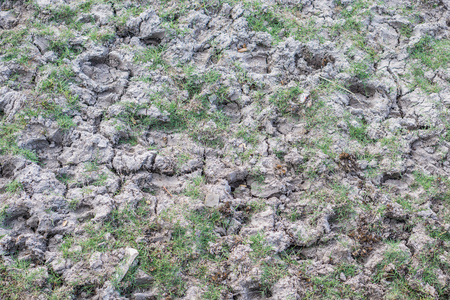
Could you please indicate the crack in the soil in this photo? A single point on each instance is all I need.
(399, 92)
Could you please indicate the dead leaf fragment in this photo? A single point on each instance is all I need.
(243, 49)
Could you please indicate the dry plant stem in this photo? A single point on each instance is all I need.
(167, 191)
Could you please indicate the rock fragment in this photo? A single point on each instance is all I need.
(212, 200)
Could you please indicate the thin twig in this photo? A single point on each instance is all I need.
(167, 191)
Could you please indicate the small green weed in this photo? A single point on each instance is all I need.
(394, 255)
(438, 233)
(250, 137)
(359, 132)
(428, 182)
(286, 100)
(193, 188)
(270, 275)
(259, 246)
(257, 175)
(213, 292)
(267, 20)
(431, 52)
(3, 214)
(324, 144)
(62, 47)
(132, 11)
(57, 80)
(280, 154)
(63, 13)
(308, 31)
(330, 287)
(153, 55)
(8, 144)
(406, 31)
(86, 6)
(101, 180)
(419, 79)
(362, 70)
(271, 272)
(101, 36)
(57, 83)
(19, 281)
(13, 187)
(91, 166)
(183, 158)
(10, 40)
(73, 204)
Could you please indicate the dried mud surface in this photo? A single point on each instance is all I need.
(224, 149)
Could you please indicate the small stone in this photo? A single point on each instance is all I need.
(50, 56)
(143, 278)
(75, 249)
(8, 19)
(212, 200)
(144, 296)
(124, 266)
(427, 213)
(363, 164)
(430, 290)
(38, 275)
(304, 97)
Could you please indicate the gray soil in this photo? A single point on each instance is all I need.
(284, 149)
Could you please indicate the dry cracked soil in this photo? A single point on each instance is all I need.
(223, 149)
